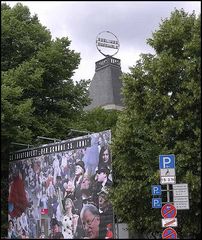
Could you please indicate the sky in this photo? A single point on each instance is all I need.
(132, 22)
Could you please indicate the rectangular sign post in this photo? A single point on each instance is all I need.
(156, 202)
(168, 180)
(182, 205)
(166, 161)
(169, 222)
(167, 176)
(164, 172)
(167, 169)
(181, 196)
(156, 189)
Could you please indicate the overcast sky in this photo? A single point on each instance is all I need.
(81, 21)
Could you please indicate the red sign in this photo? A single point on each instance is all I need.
(44, 211)
(169, 233)
(168, 211)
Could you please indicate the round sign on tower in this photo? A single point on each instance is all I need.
(107, 43)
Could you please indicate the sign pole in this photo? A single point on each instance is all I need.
(168, 193)
(180, 195)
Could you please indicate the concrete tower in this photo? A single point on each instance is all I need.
(105, 88)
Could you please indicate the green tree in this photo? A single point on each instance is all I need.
(38, 96)
(97, 120)
(161, 116)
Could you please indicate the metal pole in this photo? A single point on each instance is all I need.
(117, 226)
(75, 130)
(21, 144)
(52, 139)
(168, 193)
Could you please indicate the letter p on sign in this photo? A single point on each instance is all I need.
(156, 189)
(166, 161)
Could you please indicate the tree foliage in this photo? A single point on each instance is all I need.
(97, 120)
(39, 97)
(161, 116)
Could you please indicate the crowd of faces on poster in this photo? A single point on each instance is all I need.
(63, 194)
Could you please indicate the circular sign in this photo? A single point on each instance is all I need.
(107, 43)
(168, 211)
(169, 233)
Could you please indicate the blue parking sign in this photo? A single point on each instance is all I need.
(166, 161)
(156, 189)
(156, 202)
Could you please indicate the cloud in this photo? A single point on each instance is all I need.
(81, 21)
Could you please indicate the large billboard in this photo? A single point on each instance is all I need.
(61, 190)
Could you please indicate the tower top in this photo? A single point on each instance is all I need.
(115, 62)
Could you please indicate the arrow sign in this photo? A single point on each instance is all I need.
(166, 172)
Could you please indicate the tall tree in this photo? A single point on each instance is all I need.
(161, 116)
(97, 120)
(39, 96)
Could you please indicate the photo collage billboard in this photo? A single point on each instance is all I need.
(61, 190)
